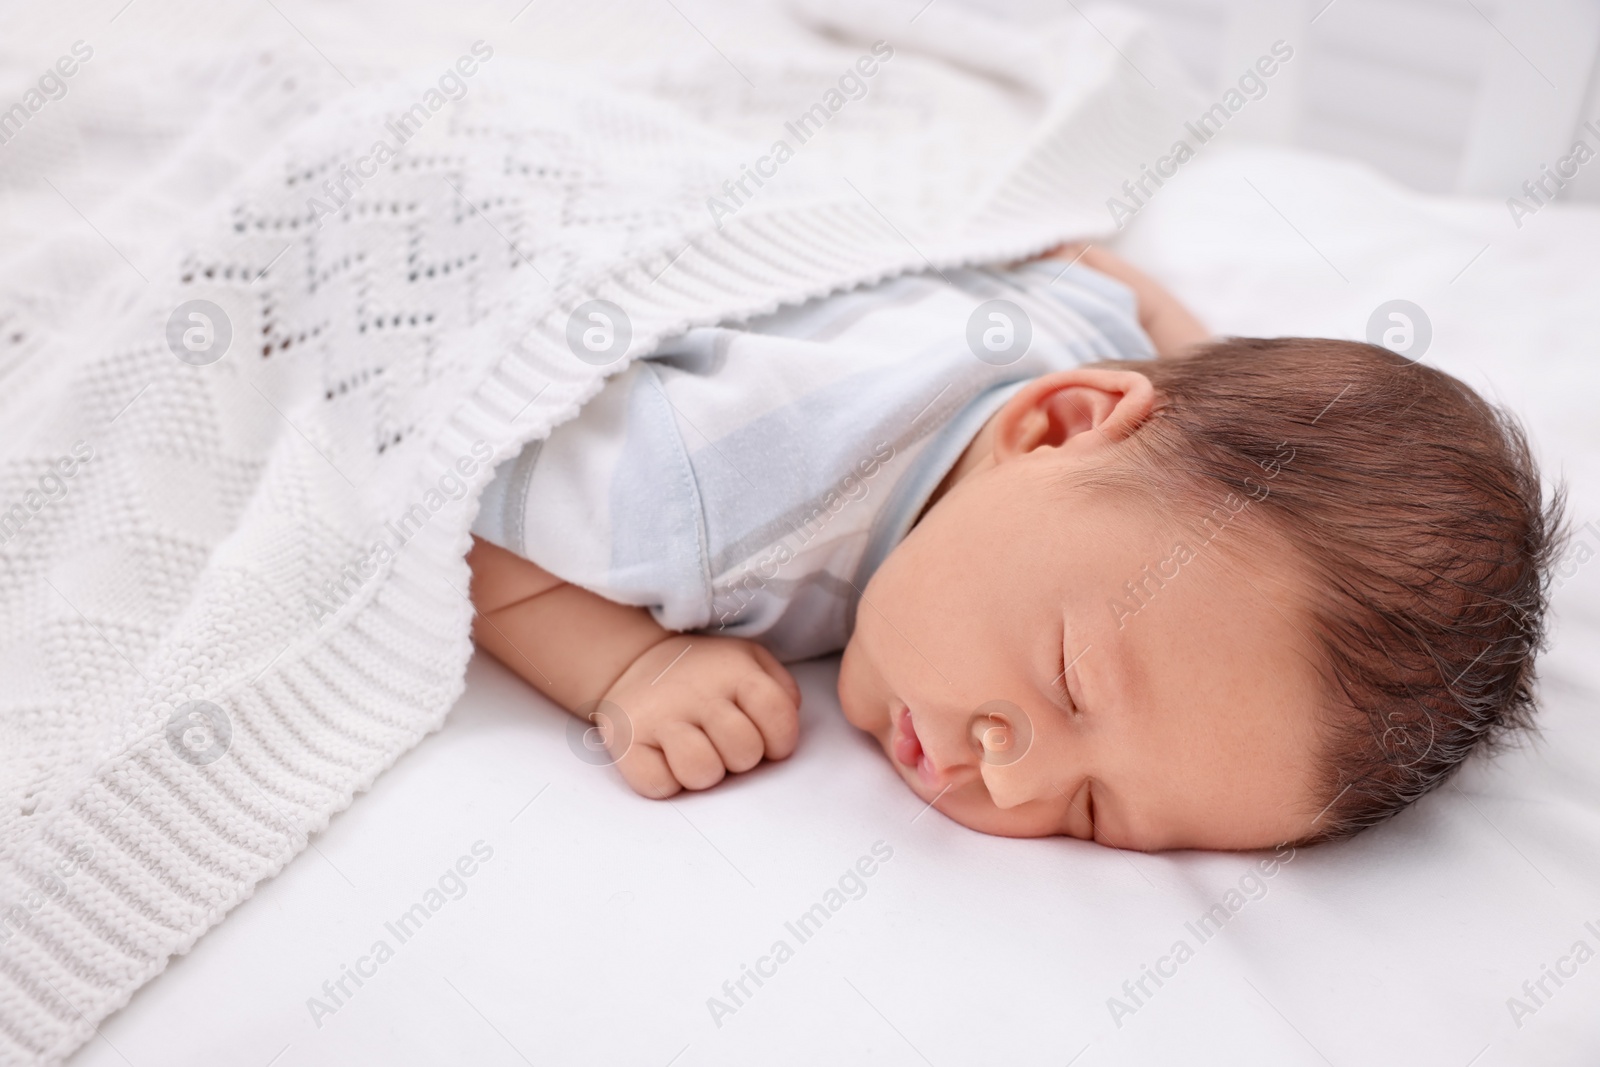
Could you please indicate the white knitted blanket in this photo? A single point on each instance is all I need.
(255, 377)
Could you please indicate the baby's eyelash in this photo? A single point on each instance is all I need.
(1060, 684)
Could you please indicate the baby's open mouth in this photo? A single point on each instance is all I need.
(908, 749)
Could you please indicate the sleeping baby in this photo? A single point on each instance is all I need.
(1092, 573)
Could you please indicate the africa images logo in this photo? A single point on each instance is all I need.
(199, 332)
(1251, 85)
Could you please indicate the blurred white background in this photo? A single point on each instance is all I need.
(1447, 96)
(1462, 96)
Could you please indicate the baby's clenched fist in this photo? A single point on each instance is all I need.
(692, 708)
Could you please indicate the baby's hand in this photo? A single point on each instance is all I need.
(692, 708)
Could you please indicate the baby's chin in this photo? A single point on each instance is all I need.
(861, 709)
(867, 712)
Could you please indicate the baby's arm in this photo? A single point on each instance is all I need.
(1170, 326)
(691, 707)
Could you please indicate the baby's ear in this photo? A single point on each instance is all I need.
(1081, 408)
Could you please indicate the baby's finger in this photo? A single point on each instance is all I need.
(778, 671)
(645, 769)
(735, 737)
(774, 711)
(691, 755)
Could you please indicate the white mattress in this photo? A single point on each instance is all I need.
(603, 922)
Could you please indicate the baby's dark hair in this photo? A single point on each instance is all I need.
(1417, 510)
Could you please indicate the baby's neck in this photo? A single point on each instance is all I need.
(978, 452)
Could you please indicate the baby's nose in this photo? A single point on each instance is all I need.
(1009, 787)
(1001, 735)
(1011, 779)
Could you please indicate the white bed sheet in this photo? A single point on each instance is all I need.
(603, 923)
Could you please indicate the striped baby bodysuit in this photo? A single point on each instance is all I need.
(748, 479)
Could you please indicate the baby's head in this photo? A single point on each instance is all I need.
(1272, 592)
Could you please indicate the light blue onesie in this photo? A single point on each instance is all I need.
(747, 480)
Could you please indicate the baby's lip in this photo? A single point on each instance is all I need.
(908, 750)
